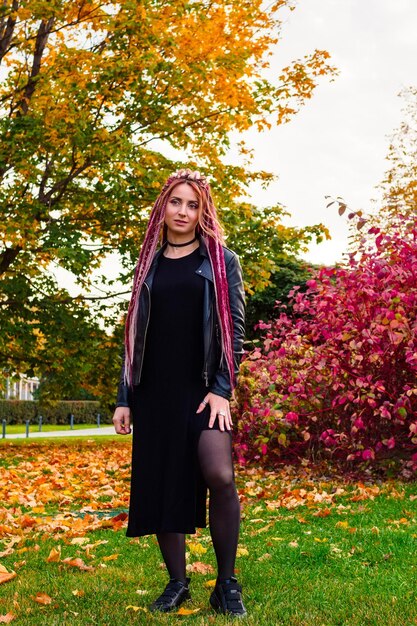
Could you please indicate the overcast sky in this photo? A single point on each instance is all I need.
(337, 144)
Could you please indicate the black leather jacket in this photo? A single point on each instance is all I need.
(215, 375)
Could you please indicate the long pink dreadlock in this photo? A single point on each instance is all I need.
(209, 228)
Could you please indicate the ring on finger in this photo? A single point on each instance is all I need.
(221, 413)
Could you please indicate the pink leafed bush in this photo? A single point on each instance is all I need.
(338, 377)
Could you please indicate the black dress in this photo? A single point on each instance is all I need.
(168, 493)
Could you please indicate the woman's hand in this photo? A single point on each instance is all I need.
(121, 420)
(220, 408)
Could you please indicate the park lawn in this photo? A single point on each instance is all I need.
(14, 429)
(314, 549)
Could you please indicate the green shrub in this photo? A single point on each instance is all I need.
(84, 411)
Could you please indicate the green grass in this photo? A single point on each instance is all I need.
(300, 569)
(14, 429)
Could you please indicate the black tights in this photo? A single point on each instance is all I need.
(215, 458)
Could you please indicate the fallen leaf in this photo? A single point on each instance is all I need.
(320, 540)
(210, 583)
(6, 619)
(265, 556)
(78, 563)
(197, 548)
(78, 592)
(54, 555)
(142, 592)
(199, 568)
(242, 551)
(18, 564)
(293, 544)
(110, 557)
(131, 607)
(183, 611)
(42, 598)
(5, 575)
(342, 524)
(79, 541)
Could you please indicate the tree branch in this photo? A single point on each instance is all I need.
(7, 258)
(44, 31)
(6, 30)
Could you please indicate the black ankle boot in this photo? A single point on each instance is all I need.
(227, 598)
(174, 594)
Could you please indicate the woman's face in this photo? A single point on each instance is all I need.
(182, 213)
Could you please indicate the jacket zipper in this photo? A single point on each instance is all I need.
(205, 372)
(145, 333)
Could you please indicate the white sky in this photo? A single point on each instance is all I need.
(338, 142)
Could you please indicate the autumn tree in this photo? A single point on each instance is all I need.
(92, 93)
(399, 186)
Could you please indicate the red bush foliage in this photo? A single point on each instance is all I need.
(338, 377)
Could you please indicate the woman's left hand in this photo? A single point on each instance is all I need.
(220, 408)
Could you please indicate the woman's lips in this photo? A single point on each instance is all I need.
(179, 222)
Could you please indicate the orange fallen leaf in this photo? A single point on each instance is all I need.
(18, 564)
(199, 568)
(78, 563)
(54, 555)
(210, 583)
(42, 598)
(6, 619)
(5, 575)
(322, 513)
(293, 544)
(183, 611)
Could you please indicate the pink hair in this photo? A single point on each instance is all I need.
(210, 230)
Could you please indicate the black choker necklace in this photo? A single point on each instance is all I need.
(181, 245)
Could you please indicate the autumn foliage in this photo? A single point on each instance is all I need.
(337, 378)
(93, 96)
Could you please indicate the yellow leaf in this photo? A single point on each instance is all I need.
(183, 611)
(210, 583)
(197, 548)
(242, 552)
(54, 555)
(342, 525)
(131, 607)
(78, 592)
(110, 557)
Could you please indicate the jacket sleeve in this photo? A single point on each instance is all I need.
(122, 391)
(221, 385)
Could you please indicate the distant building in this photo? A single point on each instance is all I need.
(21, 389)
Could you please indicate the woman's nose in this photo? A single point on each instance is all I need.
(182, 209)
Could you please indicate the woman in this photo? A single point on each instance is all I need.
(183, 344)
